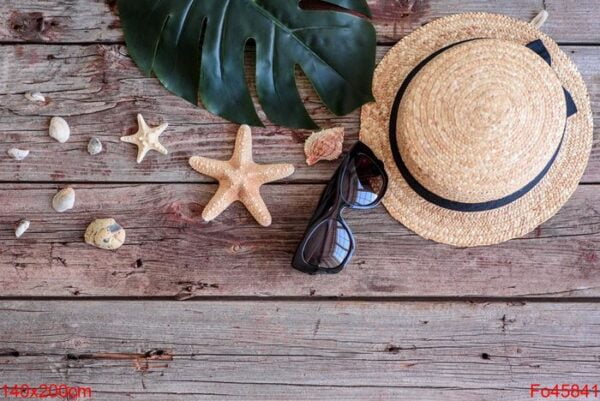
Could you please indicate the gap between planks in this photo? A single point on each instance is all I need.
(471, 300)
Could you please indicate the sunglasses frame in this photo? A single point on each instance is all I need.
(331, 206)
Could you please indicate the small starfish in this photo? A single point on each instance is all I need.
(146, 138)
(240, 179)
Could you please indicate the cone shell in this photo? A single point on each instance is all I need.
(324, 145)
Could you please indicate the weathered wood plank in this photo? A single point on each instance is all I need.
(171, 252)
(99, 91)
(95, 21)
(300, 350)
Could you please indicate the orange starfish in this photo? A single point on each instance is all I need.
(240, 179)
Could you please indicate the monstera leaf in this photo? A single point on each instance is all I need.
(196, 49)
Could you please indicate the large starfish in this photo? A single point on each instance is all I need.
(146, 138)
(240, 179)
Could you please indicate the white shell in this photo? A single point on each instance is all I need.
(105, 234)
(94, 146)
(64, 200)
(18, 154)
(35, 97)
(59, 129)
(540, 19)
(21, 228)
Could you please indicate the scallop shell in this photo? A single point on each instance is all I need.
(18, 154)
(59, 129)
(64, 200)
(94, 146)
(324, 145)
(105, 234)
(21, 228)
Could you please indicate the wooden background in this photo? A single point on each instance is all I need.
(408, 319)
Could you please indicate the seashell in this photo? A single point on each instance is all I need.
(18, 154)
(105, 234)
(94, 146)
(21, 228)
(540, 19)
(59, 129)
(64, 200)
(35, 97)
(324, 145)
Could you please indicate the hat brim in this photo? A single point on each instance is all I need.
(516, 219)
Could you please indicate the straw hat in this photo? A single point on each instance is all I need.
(484, 126)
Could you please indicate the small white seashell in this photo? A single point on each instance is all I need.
(540, 19)
(21, 228)
(105, 234)
(64, 200)
(59, 129)
(35, 97)
(18, 154)
(94, 146)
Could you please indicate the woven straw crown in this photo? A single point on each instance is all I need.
(481, 120)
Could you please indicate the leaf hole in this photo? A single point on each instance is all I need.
(316, 5)
(250, 74)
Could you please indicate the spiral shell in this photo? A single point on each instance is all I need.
(324, 145)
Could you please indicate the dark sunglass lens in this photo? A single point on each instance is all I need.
(363, 181)
(328, 246)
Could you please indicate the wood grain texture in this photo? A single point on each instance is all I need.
(170, 252)
(299, 350)
(96, 21)
(99, 91)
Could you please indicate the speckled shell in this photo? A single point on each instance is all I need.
(324, 145)
(105, 234)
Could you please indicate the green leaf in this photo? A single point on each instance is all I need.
(359, 6)
(196, 49)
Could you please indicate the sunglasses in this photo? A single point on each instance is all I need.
(359, 182)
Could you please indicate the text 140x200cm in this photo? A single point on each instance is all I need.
(46, 391)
